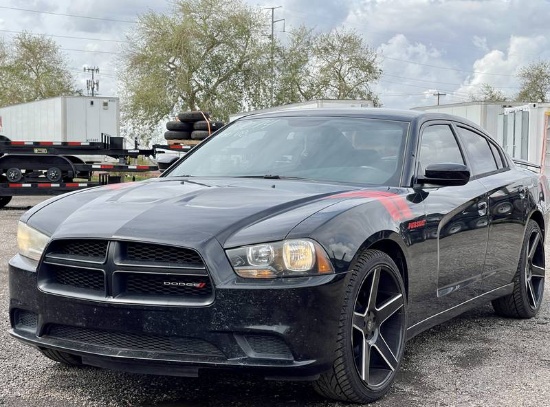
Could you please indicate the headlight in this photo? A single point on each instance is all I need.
(289, 258)
(31, 242)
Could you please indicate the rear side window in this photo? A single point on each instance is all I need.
(479, 152)
(438, 145)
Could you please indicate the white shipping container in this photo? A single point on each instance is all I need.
(64, 118)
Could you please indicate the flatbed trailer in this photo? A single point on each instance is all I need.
(54, 167)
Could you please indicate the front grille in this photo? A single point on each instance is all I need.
(134, 342)
(152, 253)
(125, 272)
(81, 249)
(78, 278)
(167, 284)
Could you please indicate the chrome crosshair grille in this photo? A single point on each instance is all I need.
(122, 271)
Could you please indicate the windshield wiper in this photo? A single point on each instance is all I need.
(269, 176)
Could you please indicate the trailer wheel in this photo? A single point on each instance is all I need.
(4, 200)
(14, 174)
(54, 174)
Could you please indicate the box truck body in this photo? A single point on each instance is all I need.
(64, 119)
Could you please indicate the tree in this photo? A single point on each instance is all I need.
(334, 65)
(33, 68)
(535, 82)
(487, 93)
(200, 56)
(215, 55)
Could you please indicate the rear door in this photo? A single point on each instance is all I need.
(506, 205)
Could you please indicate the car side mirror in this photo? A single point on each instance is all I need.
(445, 174)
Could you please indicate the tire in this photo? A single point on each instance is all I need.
(54, 174)
(179, 126)
(4, 200)
(526, 299)
(372, 323)
(199, 134)
(61, 357)
(203, 125)
(14, 175)
(177, 135)
(193, 116)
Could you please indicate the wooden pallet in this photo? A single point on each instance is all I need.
(183, 142)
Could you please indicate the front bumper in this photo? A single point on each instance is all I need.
(284, 330)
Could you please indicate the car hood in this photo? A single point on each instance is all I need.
(184, 211)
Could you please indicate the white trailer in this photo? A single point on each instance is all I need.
(522, 129)
(62, 119)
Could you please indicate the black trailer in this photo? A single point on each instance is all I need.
(52, 167)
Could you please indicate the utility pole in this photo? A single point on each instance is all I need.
(273, 21)
(92, 84)
(438, 94)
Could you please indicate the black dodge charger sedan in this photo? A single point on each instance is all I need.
(305, 244)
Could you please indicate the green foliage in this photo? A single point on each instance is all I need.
(535, 82)
(198, 57)
(33, 68)
(214, 55)
(488, 94)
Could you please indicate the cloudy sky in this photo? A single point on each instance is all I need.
(424, 46)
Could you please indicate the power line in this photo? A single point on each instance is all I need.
(64, 36)
(68, 15)
(85, 50)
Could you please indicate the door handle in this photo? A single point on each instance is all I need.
(482, 208)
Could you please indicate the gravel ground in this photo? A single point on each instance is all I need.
(477, 359)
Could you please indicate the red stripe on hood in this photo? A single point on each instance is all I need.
(395, 204)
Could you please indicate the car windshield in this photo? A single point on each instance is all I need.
(334, 149)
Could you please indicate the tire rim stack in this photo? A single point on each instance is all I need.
(193, 125)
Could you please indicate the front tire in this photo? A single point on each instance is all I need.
(61, 357)
(526, 299)
(371, 338)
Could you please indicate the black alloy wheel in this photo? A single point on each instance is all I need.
(372, 335)
(526, 299)
(14, 174)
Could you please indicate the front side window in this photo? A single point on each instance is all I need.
(479, 153)
(340, 149)
(438, 145)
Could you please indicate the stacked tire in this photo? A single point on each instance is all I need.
(194, 125)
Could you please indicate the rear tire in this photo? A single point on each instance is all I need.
(371, 337)
(526, 299)
(14, 174)
(61, 357)
(54, 174)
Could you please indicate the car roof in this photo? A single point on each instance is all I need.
(375, 113)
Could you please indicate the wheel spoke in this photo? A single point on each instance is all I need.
(365, 360)
(534, 246)
(359, 321)
(537, 271)
(373, 289)
(531, 292)
(382, 347)
(389, 308)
